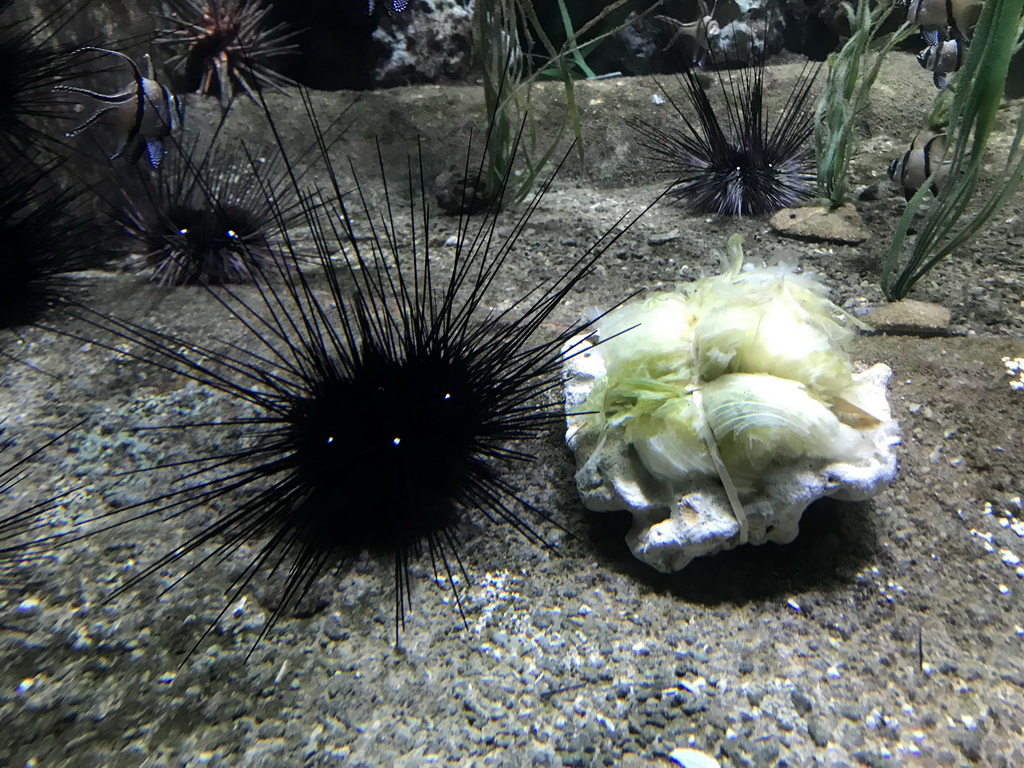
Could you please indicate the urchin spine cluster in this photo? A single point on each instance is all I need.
(205, 217)
(44, 232)
(378, 416)
(744, 164)
(44, 235)
(32, 62)
(225, 47)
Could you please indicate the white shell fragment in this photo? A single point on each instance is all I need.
(692, 758)
(718, 413)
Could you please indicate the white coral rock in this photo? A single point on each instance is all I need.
(726, 410)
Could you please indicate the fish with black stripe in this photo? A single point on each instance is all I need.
(942, 57)
(925, 159)
(959, 15)
(144, 112)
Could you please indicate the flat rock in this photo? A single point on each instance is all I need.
(909, 317)
(821, 224)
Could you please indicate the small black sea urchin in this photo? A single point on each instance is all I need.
(744, 165)
(224, 47)
(205, 217)
(382, 408)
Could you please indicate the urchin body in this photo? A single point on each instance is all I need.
(223, 47)
(381, 410)
(198, 244)
(205, 218)
(398, 436)
(744, 164)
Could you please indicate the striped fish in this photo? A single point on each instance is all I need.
(919, 163)
(941, 57)
(144, 112)
(960, 15)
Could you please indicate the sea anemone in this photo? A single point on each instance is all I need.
(225, 46)
(745, 164)
(379, 411)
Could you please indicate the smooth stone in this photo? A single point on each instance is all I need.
(909, 317)
(822, 224)
(691, 758)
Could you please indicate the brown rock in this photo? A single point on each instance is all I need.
(908, 317)
(821, 224)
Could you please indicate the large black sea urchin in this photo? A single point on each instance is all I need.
(44, 236)
(223, 47)
(209, 214)
(744, 164)
(380, 411)
(32, 62)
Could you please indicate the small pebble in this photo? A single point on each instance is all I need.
(692, 758)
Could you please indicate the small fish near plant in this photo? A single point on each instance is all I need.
(924, 161)
(851, 74)
(947, 27)
(957, 215)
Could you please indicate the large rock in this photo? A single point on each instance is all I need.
(716, 414)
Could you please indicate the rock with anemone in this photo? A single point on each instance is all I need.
(717, 413)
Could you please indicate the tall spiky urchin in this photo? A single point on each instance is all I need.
(209, 215)
(745, 164)
(382, 410)
(223, 47)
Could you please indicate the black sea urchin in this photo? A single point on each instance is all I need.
(745, 164)
(225, 46)
(43, 238)
(382, 408)
(32, 62)
(208, 216)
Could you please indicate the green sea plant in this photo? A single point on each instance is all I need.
(852, 72)
(946, 225)
(500, 28)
